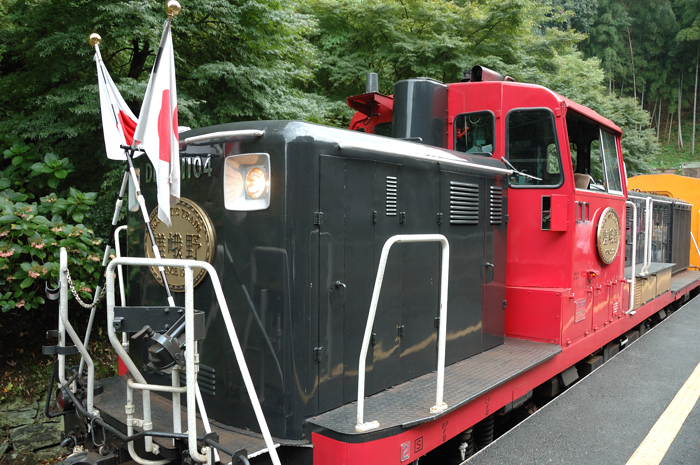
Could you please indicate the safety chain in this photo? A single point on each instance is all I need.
(78, 299)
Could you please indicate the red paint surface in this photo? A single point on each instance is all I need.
(164, 127)
(128, 126)
(372, 109)
(121, 368)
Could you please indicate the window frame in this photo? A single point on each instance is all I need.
(605, 163)
(601, 129)
(493, 131)
(556, 143)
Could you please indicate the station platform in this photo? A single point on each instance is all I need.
(606, 417)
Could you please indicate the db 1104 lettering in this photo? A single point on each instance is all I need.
(193, 166)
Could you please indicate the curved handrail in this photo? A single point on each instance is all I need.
(442, 331)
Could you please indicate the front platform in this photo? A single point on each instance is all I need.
(111, 405)
(604, 418)
(408, 404)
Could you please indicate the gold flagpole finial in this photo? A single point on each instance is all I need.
(95, 39)
(173, 8)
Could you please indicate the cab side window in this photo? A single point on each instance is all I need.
(612, 167)
(594, 155)
(532, 148)
(474, 132)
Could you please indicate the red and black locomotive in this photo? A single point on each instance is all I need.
(552, 268)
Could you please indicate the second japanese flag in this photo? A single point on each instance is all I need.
(157, 127)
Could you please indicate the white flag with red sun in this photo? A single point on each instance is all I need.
(157, 131)
(118, 121)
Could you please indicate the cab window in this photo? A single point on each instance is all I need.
(612, 167)
(383, 129)
(594, 155)
(532, 148)
(474, 132)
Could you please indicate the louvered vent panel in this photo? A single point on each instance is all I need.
(392, 195)
(464, 203)
(496, 205)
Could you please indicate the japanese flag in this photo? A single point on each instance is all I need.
(156, 131)
(118, 122)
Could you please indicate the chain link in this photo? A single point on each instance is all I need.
(78, 299)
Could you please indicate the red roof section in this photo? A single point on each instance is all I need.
(585, 111)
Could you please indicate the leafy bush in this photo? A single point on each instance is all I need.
(35, 222)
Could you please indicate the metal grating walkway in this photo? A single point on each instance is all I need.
(654, 268)
(683, 279)
(408, 404)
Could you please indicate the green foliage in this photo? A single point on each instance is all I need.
(235, 60)
(689, 11)
(581, 80)
(661, 35)
(32, 232)
(583, 13)
(435, 38)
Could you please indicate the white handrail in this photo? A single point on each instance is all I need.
(122, 292)
(66, 326)
(225, 135)
(634, 253)
(442, 331)
(648, 225)
(694, 242)
(117, 249)
(189, 264)
(134, 371)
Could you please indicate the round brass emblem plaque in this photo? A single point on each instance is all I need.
(608, 235)
(191, 237)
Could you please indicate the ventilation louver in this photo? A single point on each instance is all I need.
(496, 205)
(464, 203)
(392, 195)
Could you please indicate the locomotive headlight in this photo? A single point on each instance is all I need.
(247, 182)
(255, 182)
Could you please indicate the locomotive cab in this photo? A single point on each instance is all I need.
(567, 175)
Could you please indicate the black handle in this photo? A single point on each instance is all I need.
(345, 291)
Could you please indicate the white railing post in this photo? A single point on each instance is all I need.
(694, 242)
(67, 327)
(634, 253)
(442, 331)
(122, 292)
(648, 225)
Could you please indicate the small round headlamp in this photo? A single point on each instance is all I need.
(255, 183)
